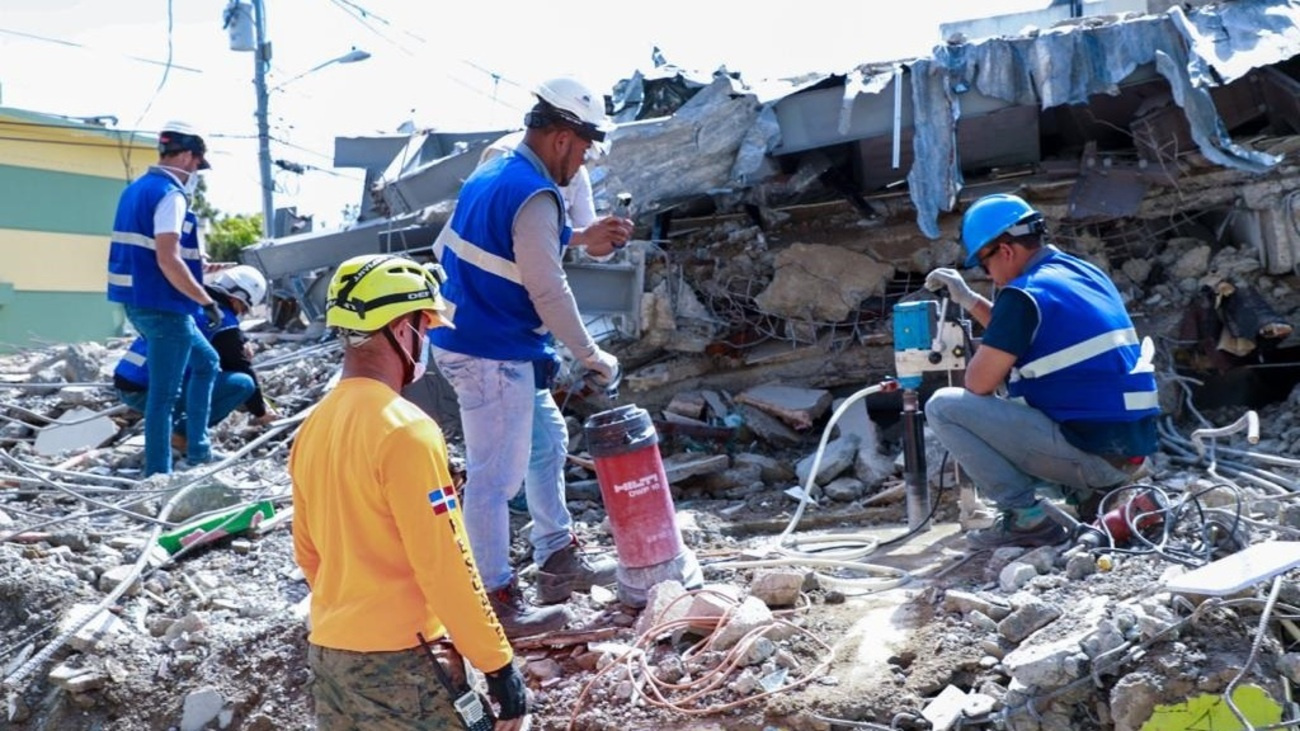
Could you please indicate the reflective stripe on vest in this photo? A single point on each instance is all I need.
(1084, 362)
(493, 313)
(134, 276)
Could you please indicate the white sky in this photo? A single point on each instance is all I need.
(431, 62)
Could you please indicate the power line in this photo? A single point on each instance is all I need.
(366, 13)
(361, 18)
(166, 69)
(74, 44)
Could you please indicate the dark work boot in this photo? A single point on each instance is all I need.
(1029, 528)
(569, 570)
(519, 618)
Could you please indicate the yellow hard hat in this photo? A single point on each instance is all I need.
(369, 291)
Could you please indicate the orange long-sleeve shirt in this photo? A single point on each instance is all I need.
(377, 530)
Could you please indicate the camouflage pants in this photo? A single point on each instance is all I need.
(378, 691)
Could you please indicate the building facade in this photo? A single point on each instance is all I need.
(62, 178)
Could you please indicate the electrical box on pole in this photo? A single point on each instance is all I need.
(238, 17)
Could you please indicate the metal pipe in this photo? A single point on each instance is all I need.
(914, 472)
(898, 116)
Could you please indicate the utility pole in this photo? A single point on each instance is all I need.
(261, 61)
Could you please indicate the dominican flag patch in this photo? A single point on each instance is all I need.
(442, 500)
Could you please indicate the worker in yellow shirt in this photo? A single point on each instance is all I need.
(377, 525)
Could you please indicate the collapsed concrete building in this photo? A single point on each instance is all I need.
(1128, 132)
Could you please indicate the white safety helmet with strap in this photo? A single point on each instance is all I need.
(565, 100)
(243, 282)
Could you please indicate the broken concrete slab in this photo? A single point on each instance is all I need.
(687, 403)
(79, 428)
(798, 407)
(768, 428)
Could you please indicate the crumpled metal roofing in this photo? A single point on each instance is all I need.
(1212, 46)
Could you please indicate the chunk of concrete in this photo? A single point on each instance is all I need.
(777, 587)
(663, 604)
(822, 283)
(1027, 619)
(201, 708)
(75, 433)
(945, 710)
(93, 634)
(838, 456)
(767, 427)
(1046, 665)
(749, 616)
(109, 580)
(798, 407)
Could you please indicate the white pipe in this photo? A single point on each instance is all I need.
(859, 544)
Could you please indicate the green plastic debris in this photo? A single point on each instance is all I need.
(1211, 711)
(205, 530)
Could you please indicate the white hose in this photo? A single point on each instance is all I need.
(855, 546)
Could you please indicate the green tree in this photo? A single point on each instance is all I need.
(227, 235)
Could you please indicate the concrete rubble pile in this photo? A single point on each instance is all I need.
(95, 628)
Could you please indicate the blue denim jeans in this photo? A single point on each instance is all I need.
(1010, 450)
(514, 434)
(174, 344)
(230, 391)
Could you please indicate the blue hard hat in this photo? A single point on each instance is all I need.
(993, 215)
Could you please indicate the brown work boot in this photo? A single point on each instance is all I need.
(519, 618)
(179, 443)
(1015, 528)
(569, 570)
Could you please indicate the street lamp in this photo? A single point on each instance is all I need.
(261, 62)
(350, 57)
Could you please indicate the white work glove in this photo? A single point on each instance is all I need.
(604, 366)
(958, 291)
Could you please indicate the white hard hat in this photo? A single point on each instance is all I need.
(178, 136)
(577, 106)
(243, 282)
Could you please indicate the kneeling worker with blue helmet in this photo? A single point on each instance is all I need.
(1080, 404)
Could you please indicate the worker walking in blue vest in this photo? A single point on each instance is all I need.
(508, 295)
(236, 290)
(155, 271)
(1081, 405)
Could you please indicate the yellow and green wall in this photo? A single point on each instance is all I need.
(61, 179)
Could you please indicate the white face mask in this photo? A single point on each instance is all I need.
(191, 183)
(421, 360)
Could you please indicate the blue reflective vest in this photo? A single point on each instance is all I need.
(134, 277)
(493, 315)
(133, 366)
(1084, 362)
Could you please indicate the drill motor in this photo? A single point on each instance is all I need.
(1144, 511)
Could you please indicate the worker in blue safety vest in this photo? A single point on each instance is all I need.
(1079, 417)
(155, 271)
(502, 253)
(235, 290)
